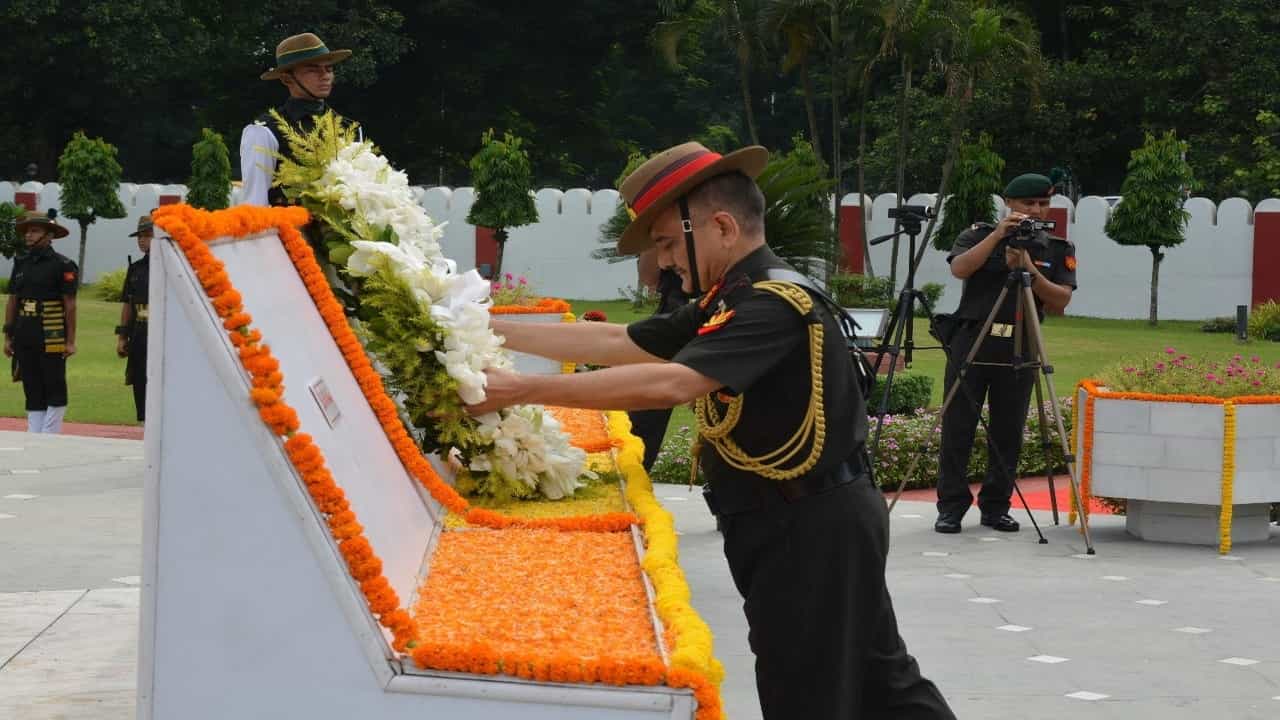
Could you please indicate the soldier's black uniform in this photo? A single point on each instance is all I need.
(301, 116)
(39, 280)
(651, 425)
(807, 554)
(1007, 392)
(136, 294)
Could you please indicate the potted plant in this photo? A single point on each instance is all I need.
(514, 299)
(1191, 444)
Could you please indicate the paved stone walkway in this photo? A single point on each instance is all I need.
(1007, 628)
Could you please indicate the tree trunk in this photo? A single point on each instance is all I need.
(810, 108)
(836, 173)
(862, 175)
(958, 125)
(903, 92)
(499, 237)
(744, 84)
(1156, 258)
(84, 230)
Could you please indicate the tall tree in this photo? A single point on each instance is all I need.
(90, 179)
(504, 189)
(978, 173)
(210, 184)
(1152, 212)
(737, 22)
(796, 22)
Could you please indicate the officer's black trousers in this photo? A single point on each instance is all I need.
(1008, 395)
(821, 622)
(44, 377)
(650, 426)
(136, 372)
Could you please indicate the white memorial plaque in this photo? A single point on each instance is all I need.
(325, 400)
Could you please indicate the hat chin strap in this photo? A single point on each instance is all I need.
(687, 225)
(305, 89)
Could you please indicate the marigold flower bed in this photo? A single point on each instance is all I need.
(585, 428)
(499, 599)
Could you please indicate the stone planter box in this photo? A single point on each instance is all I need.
(1166, 458)
(532, 364)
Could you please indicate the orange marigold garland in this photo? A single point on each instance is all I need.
(243, 220)
(543, 305)
(189, 228)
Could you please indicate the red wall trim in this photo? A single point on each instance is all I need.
(25, 199)
(851, 239)
(1266, 257)
(486, 247)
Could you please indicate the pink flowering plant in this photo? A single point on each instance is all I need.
(512, 290)
(906, 436)
(1171, 372)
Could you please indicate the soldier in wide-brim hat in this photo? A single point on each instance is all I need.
(782, 425)
(131, 333)
(304, 65)
(40, 321)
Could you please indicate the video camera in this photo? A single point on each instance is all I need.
(1030, 233)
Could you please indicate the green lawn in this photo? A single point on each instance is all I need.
(1078, 347)
(95, 376)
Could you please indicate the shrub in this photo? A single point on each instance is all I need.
(1219, 325)
(110, 286)
(919, 435)
(4, 286)
(1264, 321)
(861, 291)
(672, 463)
(932, 291)
(513, 291)
(1174, 373)
(910, 392)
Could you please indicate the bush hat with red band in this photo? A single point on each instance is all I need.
(671, 174)
(304, 48)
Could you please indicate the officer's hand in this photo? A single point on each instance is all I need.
(71, 350)
(8, 347)
(122, 347)
(1005, 227)
(1016, 259)
(502, 389)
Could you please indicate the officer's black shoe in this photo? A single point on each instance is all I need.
(947, 523)
(1003, 523)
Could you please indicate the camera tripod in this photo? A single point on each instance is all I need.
(899, 334)
(1031, 334)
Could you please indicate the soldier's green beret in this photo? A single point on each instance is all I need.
(1030, 185)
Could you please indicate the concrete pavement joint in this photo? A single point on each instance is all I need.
(43, 630)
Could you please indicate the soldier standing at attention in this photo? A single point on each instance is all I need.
(131, 333)
(305, 66)
(40, 321)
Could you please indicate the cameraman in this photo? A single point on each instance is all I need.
(983, 257)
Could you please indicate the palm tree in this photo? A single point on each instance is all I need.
(986, 35)
(735, 21)
(797, 23)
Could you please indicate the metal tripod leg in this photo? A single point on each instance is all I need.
(1046, 368)
(1045, 446)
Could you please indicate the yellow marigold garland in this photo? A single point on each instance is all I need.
(692, 662)
(1228, 475)
(568, 367)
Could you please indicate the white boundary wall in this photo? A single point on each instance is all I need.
(1206, 276)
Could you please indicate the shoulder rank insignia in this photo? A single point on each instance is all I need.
(716, 322)
(1070, 262)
